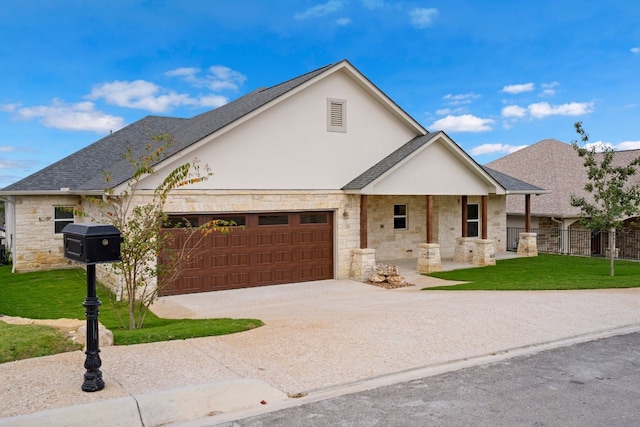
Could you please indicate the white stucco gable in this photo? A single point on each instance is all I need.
(287, 144)
(432, 164)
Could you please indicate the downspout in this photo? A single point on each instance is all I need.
(561, 243)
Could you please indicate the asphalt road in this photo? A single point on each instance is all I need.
(590, 384)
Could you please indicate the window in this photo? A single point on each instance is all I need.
(62, 215)
(273, 220)
(336, 115)
(473, 220)
(399, 217)
(313, 218)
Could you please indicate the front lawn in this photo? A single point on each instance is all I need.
(544, 272)
(60, 293)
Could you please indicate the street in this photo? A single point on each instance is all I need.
(589, 384)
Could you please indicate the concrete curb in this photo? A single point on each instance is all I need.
(159, 408)
(404, 376)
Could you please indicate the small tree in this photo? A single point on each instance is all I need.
(141, 219)
(611, 197)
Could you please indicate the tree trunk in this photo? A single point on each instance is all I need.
(612, 250)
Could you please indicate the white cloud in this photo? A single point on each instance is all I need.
(10, 108)
(519, 88)
(147, 96)
(599, 146)
(11, 164)
(320, 10)
(514, 111)
(635, 50)
(78, 116)
(343, 21)
(463, 123)
(7, 148)
(212, 101)
(464, 98)
(443, 111)
(137, 94)
(216, 78)
(423, 17)
(628, 145)
(548, 89)
(495, 148)
(543, 109)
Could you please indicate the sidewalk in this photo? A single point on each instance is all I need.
(319, 339)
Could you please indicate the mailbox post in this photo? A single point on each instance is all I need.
(92, 244)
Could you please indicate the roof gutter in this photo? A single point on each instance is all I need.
(62, 191)
(525, 192)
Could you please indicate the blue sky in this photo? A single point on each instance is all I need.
(495, 75)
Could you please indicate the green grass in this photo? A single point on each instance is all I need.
(27, 341)
(544, 272)
(60, 293)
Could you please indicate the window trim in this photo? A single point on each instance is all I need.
(473, 220)
(399, 216)
(336, 121)
(57, 220)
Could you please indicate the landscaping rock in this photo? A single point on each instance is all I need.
(75, 328)
(387, 276)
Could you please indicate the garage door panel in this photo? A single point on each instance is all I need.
(219, 240)
(273, 257)
(269, 249)
(274, 238)
(273, 276)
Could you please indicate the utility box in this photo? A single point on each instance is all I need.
(91, 243)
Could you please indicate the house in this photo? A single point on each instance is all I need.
(325, 172)
(555, 165)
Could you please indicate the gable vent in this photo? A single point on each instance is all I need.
(336, 115)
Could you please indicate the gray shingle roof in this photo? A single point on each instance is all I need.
(513, 185)
(553, 165)
(84, 170)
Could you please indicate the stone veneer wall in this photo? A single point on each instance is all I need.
(390, 243)
(448, 221)
(37, 247)
(397, 244)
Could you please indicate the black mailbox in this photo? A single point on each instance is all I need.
(91, 243)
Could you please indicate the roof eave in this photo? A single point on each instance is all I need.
(52, 193)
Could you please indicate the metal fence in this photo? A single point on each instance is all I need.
(579, 242)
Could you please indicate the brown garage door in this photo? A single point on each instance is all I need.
(263, 249)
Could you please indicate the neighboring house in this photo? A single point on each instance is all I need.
(556, 166)
(324, 171)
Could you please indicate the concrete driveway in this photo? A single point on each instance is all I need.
(319, 338)
(326, 333)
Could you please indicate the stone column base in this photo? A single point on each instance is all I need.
(363, 264)
(429, 258)
(463, 251)
(528, 244)
(484, 253)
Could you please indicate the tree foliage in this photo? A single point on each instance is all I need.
(610, 197)
(142, 222)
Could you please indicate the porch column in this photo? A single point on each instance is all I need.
(429, 253)
(484, 215)
(527, 213)
(364, 259)
(363, 221)
(527, 241)
(429, 219)
(464, 216)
